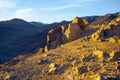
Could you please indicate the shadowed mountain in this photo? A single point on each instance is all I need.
(38, 24)
(21, 37)
(90, 18)
(104, 19)
(15, 29)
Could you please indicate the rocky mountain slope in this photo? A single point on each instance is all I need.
(18, 37)
(95, 55)
(85, 60)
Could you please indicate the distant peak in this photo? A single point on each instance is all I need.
(17, 19)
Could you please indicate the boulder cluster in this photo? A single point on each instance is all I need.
(110, 31)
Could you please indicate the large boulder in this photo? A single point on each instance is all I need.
(54, 38)
(73, 32)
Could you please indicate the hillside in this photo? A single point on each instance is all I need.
(73, 61)
(92, 55)
(18, 37)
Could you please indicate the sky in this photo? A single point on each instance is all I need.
(49, 11)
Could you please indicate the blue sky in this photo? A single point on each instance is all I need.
(49, 11)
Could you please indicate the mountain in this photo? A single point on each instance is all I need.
(10, 32)
(90, 19)
(15, 29)
(38, 24)
(104, 19)
(18, 37)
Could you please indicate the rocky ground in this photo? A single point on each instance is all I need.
(77, 60)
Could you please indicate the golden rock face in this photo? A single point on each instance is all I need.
(73, 32)
(65, 33)
(79, 21)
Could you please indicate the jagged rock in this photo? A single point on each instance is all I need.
(65, 33)
(98, 35)
(79, 21)
(54, 38)
(73, 32)
(107, 31)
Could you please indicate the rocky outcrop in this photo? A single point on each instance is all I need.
(55, 37)
(109, 31)
(65, 33)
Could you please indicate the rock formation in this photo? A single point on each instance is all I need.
(65, 33)
(109, 31)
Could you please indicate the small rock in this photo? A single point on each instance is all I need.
(112, 54)
(52, 65)
(112, 40)
(74, 62)
(52, 68)
(45, 55)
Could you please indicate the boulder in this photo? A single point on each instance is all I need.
(54, 38)
(112, 40)
(73, 32)
(99, 54)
